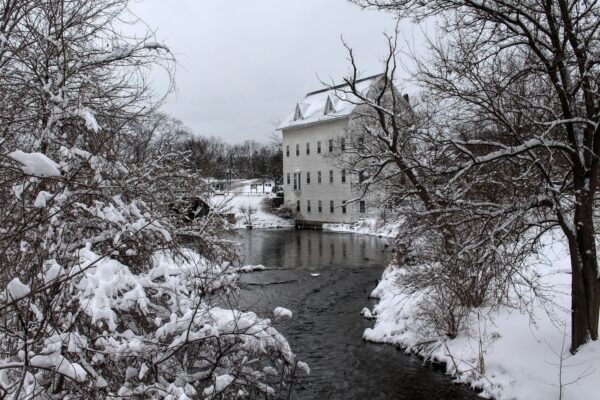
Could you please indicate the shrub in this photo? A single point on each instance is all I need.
(275, 206)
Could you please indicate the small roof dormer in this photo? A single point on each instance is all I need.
(299, 113)
(329, 108)
(331, 102)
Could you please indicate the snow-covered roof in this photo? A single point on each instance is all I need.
(327, 104)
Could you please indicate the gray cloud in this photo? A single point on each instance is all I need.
(245, 63)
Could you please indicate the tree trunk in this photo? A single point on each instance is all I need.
(585, 287)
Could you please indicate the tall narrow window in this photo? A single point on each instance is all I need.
(295, 181)
(343, 176)
(307, 205)
(319, 147)
(299, 180)
(287, 151)
(344, 207)
(362, 207)
(288, 178)
(308, 178)
(320, 205)
(307, 148)
(319, 177)
(331, 208)
(297, 205)
(297, 149)
(361, 177)
(330, 145)
(330, 176)
(343, 144)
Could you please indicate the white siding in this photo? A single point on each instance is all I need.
(313, 163)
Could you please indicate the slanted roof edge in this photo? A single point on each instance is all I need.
(341, 85)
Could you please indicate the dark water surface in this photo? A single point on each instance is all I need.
(326, 330)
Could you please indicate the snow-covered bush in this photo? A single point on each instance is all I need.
(274, 206)
(284, 211)
(99, 296)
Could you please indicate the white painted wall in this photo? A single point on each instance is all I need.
(313, 163)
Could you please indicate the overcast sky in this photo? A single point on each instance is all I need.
(244, 64)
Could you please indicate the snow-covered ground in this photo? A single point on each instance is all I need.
(367, 226)
(245, 197)
(260, 219)
(526, 357)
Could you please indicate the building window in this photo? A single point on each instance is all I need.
(297, 205)
(319, 147)
(297, 181)
(331, 209)
(307, 205)
(308, 178)
(330, 145)
(297, 149)
(361, 177)
(319, 177)
(343, 144)
(288, 178)
(362, 207)
(344, 207)
(320, 205)
(307, 148)
(343, 176)
(330, 176)
(287, 151)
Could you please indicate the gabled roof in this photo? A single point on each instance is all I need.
(329, 106)
(313, 107)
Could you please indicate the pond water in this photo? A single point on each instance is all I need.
(326, 329)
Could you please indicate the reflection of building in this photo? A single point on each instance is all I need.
(314, 185)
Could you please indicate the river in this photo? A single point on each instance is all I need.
(326, 329)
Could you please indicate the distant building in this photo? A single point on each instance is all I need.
(242, 186)
(315, 186)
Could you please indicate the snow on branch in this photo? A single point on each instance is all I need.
(35, 164)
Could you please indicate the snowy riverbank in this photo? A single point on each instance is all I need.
(525, 355)
(368, 226)
(260, 219)
(238, 204)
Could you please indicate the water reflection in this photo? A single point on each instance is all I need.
(309, 249)
(326, 330)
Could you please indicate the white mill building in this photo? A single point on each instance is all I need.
(314, 185)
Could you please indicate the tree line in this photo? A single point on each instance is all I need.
(211, 156)
(216, 159)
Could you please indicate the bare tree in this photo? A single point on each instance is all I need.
(518, 85)
(454, 242)
(248, 212)
(99, 295)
